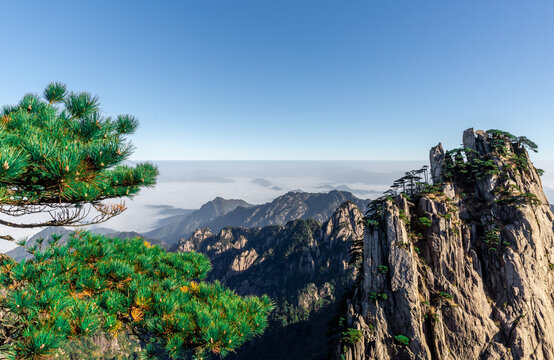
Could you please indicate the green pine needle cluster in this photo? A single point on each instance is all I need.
(60, 148)
(94, 283)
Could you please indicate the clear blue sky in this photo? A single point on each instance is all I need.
(293, 79)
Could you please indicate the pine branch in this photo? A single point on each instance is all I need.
(52, 156)
(74, 217)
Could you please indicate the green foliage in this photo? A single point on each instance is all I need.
(374, 296)
(462, 165)
(374, 212)
(528, 144)
(492, 237)
(466, 166)
(520, 160)
(301, 235)
(432, 189)
(351, 336)
(514, 196)
(413, 182)
(94, 283)
(531, 199)
(62, 150)
(383, 269)
(425, 221)
(372, 222)
(404, 217)
(287, 313)
(357, 249)
(404, 340)
(500, 139)
(445, 295)
(432, 315)
(296, 307)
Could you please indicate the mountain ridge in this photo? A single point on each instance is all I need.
(468, 262)
(302, 265)
(290, 206)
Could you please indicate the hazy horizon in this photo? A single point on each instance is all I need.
(188, 184)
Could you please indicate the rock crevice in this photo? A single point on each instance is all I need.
(468, 262)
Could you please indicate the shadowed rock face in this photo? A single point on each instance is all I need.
(303, 266)
(475, 283)
(253, 260)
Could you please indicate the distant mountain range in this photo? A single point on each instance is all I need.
(220, 213)
(181, 226)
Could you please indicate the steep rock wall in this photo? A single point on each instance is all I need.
(473, 281)
(303, 266)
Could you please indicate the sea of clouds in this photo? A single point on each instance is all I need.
(190, 184)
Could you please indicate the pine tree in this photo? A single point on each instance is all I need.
(60, 155)
(94, 283)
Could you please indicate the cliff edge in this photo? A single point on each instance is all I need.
(461, 269)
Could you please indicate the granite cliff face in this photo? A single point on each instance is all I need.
(303, 266)
(463, 269)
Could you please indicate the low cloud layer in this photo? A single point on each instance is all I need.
(183, 186)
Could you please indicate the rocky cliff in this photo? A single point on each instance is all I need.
(303, 266)
(463, 269)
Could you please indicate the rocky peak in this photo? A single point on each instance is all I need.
(194, 241)
(468, 139)
(220, 213)
(220, 206)
(302, 265)
(436, 157)
(463, 269)
(344, 223)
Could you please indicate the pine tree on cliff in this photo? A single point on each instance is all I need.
(461, 269)
(61, 156)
